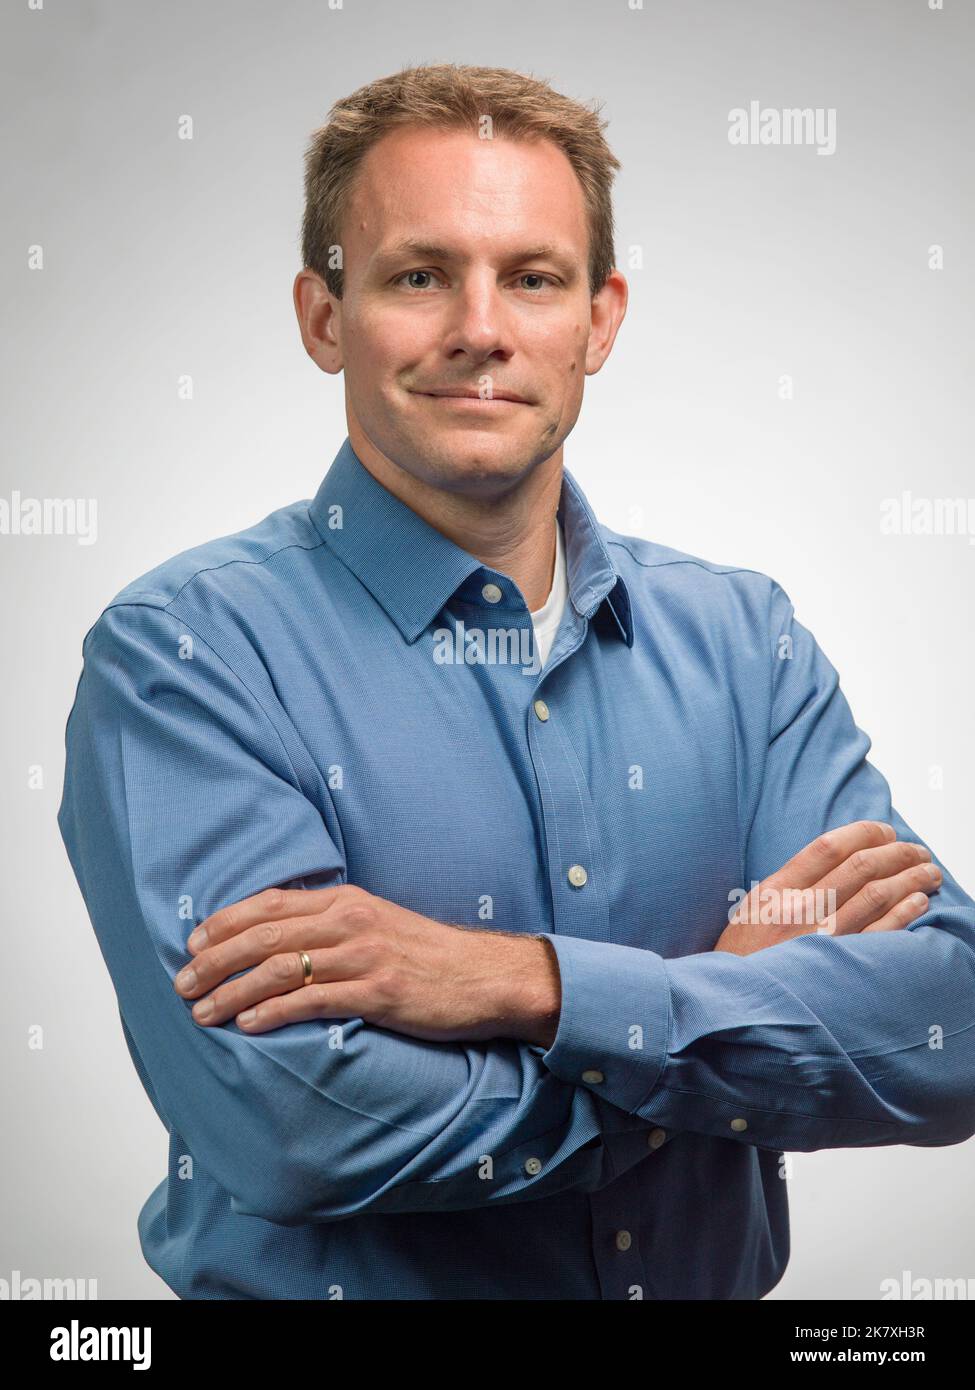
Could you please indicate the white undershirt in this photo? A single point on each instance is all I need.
(546, 619)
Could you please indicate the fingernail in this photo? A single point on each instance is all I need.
(933, 871)
(889, 833)
(186, 979)
(198, 938)
(248, 1016)
(922, 852)
(204, 1009)
(919, 900)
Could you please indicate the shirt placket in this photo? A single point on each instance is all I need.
(580, 908)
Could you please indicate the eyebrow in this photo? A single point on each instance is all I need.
(433, 251)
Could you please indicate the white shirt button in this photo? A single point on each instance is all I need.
(739, 1124)
(623, 1240)
(533, 1166)
(541, 709)
(593, 1078)
(656, 1137)
(577, 876)
(492, 593)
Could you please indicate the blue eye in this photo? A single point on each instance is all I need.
(546, 281)
(416, 272)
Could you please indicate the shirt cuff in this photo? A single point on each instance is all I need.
(614, 1026)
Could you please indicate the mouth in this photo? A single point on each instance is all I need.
(467, 398)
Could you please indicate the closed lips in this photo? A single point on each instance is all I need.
(476, 396)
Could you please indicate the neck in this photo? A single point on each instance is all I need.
(513, 534)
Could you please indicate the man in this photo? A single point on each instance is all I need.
(408, 820)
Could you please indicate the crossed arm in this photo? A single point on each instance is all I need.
(180, 799)
(345, 953)
(372, 959)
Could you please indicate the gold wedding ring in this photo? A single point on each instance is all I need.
(306, 966)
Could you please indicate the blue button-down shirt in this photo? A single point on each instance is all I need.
(331, 696)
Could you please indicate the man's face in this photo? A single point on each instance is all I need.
(465, 269)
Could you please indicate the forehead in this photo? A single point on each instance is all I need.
(440, 184)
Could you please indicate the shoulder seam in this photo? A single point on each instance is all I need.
(233, 671)
(208, 569)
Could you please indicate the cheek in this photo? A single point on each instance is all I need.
(376, 350)
(390, 346)
(565, 351)
(580, 341)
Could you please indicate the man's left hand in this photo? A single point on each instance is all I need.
(371, 959)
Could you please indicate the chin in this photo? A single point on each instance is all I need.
(465, 461)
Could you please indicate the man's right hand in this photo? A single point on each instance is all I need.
(855, 878)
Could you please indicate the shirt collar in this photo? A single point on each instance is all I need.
(411, 570)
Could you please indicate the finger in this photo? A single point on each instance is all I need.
(278, 976)
(346, 1000)
(878, 897)
(827, 852)
(865, 865)
(250, 947)
(907, 911)
(269, 906)
(832, 849)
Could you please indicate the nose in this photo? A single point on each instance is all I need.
(479, 321)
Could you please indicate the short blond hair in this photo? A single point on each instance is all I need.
(449, 96)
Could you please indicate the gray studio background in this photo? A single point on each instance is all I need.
(164, 257)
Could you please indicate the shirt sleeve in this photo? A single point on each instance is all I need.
(180, 797)
(819, 1042)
